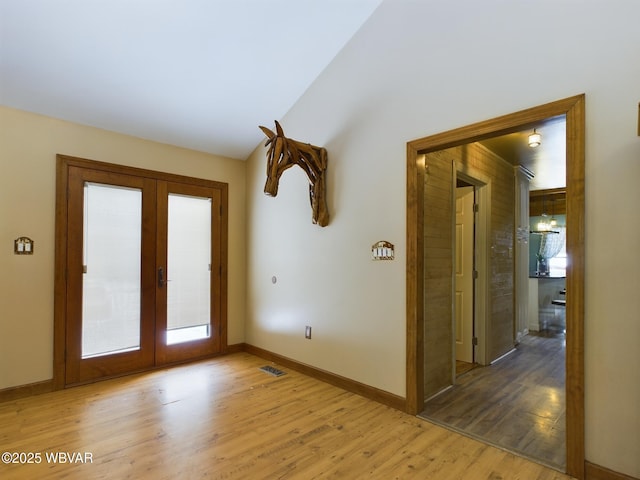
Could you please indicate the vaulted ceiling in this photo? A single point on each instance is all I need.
(201, 74)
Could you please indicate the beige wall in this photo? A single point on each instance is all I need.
(419, 68)
(414, 69)
(325, 276)
(28, 147)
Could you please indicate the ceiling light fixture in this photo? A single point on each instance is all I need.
(535, 139)
(546, 225)
(543, 224)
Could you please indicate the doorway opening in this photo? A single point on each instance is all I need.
(466, 273)
(470, 267)
(495, 404)
(419, 308)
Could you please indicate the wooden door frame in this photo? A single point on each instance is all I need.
(574, 109)
(63, 162)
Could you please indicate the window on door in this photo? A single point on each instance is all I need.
(111, 253)
(144, 261)
(189, 261)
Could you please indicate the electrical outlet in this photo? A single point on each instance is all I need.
(307, 332)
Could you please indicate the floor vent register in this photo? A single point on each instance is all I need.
(272, 371)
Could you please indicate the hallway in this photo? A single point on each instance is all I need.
(518, 403)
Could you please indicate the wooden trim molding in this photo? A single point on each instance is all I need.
(372, 393)
(415, 281)
(574, 109)
(596, 472)
(575, 202)
(347, 384)
(235, 348)
(22, 391)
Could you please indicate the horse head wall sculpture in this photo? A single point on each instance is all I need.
(284, 153)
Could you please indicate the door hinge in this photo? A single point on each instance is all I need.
(474, 341)
(476, 207)
(475, 274)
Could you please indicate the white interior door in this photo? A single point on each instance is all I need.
(464, 274)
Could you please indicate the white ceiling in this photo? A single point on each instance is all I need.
(547, 162)
(201, 74)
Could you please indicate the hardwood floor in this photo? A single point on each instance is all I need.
(464, 367)
(226, 419)
(518, 403)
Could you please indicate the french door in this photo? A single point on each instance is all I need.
(144, 270)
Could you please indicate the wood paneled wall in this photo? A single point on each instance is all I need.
(475, 161)
(551, 202)
(438, 261)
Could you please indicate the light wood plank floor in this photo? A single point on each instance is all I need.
(226, 419)
(518, 403)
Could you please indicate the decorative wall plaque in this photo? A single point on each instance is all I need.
(23, 246)
(382, 250)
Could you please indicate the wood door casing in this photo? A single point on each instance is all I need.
(574, 109)
(70, 171)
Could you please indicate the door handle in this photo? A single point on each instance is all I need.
(160, 277)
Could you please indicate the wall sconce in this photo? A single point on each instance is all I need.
(535, 139)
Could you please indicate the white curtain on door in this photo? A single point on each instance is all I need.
(551, 243)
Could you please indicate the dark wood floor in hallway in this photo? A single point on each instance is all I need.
(518, 403)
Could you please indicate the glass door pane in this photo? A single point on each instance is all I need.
(189, 304)
(188, 268)
(110, 274)
(111, 291)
